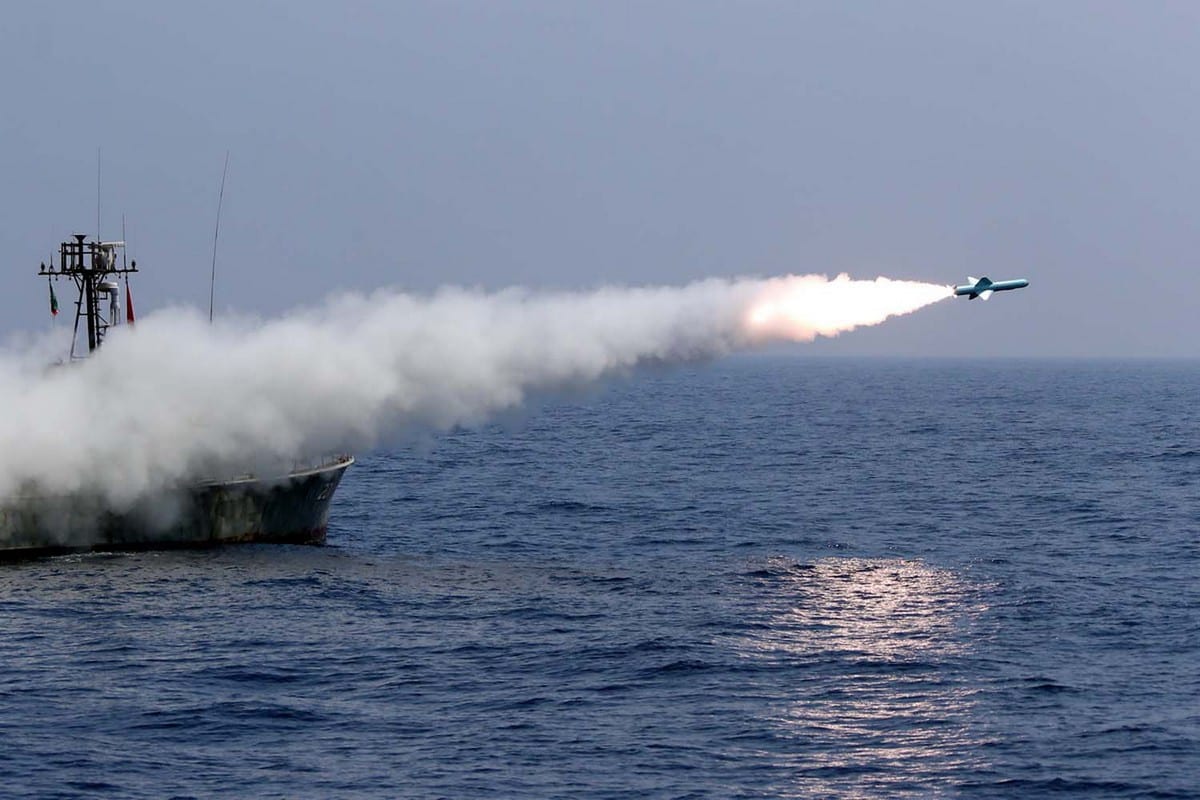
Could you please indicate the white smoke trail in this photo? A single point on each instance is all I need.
(175, 399)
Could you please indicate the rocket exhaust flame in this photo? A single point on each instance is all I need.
(802, 307)
(176, 400)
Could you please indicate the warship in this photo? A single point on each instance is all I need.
(291, 507)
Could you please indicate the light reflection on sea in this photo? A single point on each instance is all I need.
(878, 703)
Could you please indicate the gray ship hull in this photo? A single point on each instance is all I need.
(289, 509)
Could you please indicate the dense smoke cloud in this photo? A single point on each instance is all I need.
(176, 400)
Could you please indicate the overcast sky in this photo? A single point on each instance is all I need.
(564, 144)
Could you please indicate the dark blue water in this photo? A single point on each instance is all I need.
(759, 578)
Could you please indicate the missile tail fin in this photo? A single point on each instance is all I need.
(985, 294)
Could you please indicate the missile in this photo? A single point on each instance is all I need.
(983, 287)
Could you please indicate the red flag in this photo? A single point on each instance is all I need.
(128, 305)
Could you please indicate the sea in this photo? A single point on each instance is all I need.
(767, 576)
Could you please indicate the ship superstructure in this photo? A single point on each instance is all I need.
(291, 507)
(92, 267)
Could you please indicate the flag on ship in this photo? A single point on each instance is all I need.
(53, 300)
(128, 304)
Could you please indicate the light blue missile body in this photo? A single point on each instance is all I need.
(983, 287)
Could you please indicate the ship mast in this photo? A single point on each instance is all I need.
(93, 267)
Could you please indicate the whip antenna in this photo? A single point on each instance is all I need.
(97, 194)
(212, 283)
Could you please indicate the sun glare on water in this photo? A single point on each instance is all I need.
(802, 307)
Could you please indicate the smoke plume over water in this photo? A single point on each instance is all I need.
(175, 400)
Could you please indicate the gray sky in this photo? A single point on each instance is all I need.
(564, 144)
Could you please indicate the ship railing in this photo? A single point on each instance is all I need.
(307, 465)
